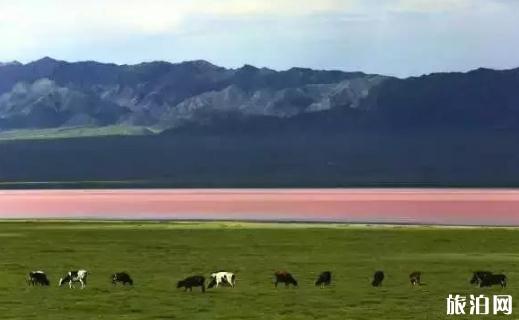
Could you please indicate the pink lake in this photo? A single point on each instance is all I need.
(409, 206)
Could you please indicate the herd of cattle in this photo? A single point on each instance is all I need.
(223, 278)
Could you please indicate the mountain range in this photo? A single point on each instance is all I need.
(197, 124)
(49, 93)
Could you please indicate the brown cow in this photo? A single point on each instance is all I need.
(284, 277)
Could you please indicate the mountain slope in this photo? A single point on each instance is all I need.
(480, 98)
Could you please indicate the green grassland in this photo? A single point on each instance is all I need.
(73, 132)
(159, 254)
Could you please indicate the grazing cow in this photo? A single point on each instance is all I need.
(74, 276)
(190, 282)
(284, 277)
(415, 278)
(222, 277)
(492, 279)
(478, 276)
(38, 278)
(378, 277)
(122, 277)
(324, 279)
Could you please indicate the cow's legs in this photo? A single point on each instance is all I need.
(70, 284)
(82, 283)
(226, 281)
(229, 281)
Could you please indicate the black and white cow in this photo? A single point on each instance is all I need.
(478, 276)
(190, 282)
(284, 277)
(324, 279)
(493, 279)
(222, 277)
(38, 278)
(122, 277)
(378, 277)
(415, 278)
(74, 276)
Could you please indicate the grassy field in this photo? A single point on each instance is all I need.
(73, 132)
(159, 254)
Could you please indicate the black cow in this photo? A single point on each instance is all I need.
(122, 277)
(378, 277)
(478, 276)
(190, 282)
(415, 278)
(492, 279)
(284, 277)
(325, 279)
(38, 278)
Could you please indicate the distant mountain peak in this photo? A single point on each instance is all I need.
(10, 63)
(45, 60)
(201, 64)
(249, 67)
(300, 69)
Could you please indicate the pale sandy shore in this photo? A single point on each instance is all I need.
(391, 206)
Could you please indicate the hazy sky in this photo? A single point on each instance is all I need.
(398, 37)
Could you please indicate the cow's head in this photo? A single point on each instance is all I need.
(292, 280)
(64, 280)
(212, 283)
(476, 278)
(180, 284)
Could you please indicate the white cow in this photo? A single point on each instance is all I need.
(74, 276)
(222, 277)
